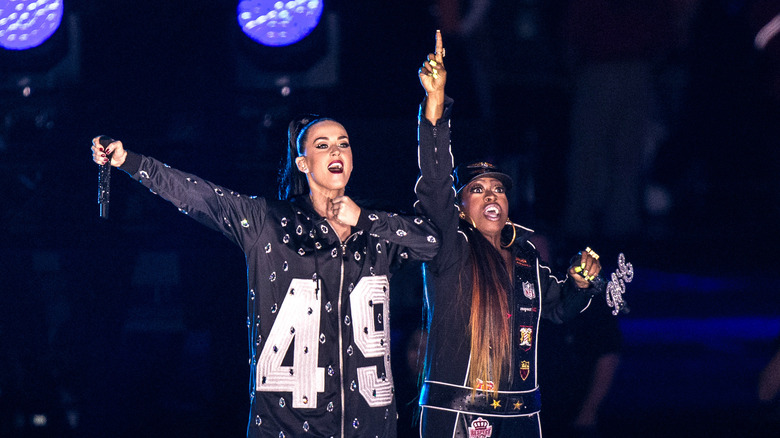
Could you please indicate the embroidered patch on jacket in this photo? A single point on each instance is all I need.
(525, 369)
(485, 386)
(528, 290)
(522, 262)
(526, 335)
(480, 428)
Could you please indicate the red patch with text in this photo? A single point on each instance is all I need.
(485, 386)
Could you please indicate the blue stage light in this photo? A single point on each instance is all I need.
(25, 24)
(279, 23)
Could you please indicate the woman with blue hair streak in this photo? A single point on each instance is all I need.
(318, 269)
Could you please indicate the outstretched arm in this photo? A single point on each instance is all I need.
(237, 217)
(435, 194)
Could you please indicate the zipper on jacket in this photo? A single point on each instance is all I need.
(341, 351)
(341, 337)
(435, 146)
(512, 281)
(343, 244)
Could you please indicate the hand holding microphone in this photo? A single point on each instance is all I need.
(585, 269)
(103, 156)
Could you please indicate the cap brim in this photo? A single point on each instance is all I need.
(504, 178)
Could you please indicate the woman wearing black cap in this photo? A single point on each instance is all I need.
(485, 290)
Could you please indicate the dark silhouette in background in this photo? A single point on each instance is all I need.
(581, 360)
(769, 392)
(613, 50)
(468, 26)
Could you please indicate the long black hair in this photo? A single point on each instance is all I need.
(292, 182)
(487, 296)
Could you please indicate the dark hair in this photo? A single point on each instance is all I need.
(488, 298)
(292, 182)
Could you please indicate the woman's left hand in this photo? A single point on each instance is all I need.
(585, 268)
(432, 74)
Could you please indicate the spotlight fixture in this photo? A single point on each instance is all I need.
(286, 45)
(278, 23)
(25, 24)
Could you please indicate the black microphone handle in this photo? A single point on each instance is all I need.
(599, 284)
(104, 179)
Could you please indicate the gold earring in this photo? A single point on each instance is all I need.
(463, 216)
(514, 234)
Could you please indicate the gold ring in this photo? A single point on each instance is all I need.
(592, 253)
(432, 62)
(435, 74)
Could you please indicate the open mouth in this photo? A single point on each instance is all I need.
(492, 212)
(336, 167)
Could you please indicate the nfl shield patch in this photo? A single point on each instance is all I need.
(528, 290)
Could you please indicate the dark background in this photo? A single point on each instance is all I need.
(136, 325)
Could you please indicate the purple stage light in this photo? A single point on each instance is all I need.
(278, 23)
(25, 24)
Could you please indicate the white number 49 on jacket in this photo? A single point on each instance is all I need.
(299, 319)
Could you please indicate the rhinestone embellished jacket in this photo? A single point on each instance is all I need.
(318, 321)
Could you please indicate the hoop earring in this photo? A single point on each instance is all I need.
(514, 234)
(462, 215)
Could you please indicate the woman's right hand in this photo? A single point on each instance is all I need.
(115, 150)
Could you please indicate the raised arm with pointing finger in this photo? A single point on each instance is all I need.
(485, 290)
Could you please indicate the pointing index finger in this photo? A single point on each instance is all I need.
(439, 52)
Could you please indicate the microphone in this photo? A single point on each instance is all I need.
(599, 284)
(104, 179)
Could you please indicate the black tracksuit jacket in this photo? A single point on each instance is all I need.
(318, 307)
(537, 293)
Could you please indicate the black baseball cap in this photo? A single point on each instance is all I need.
(468, 172)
